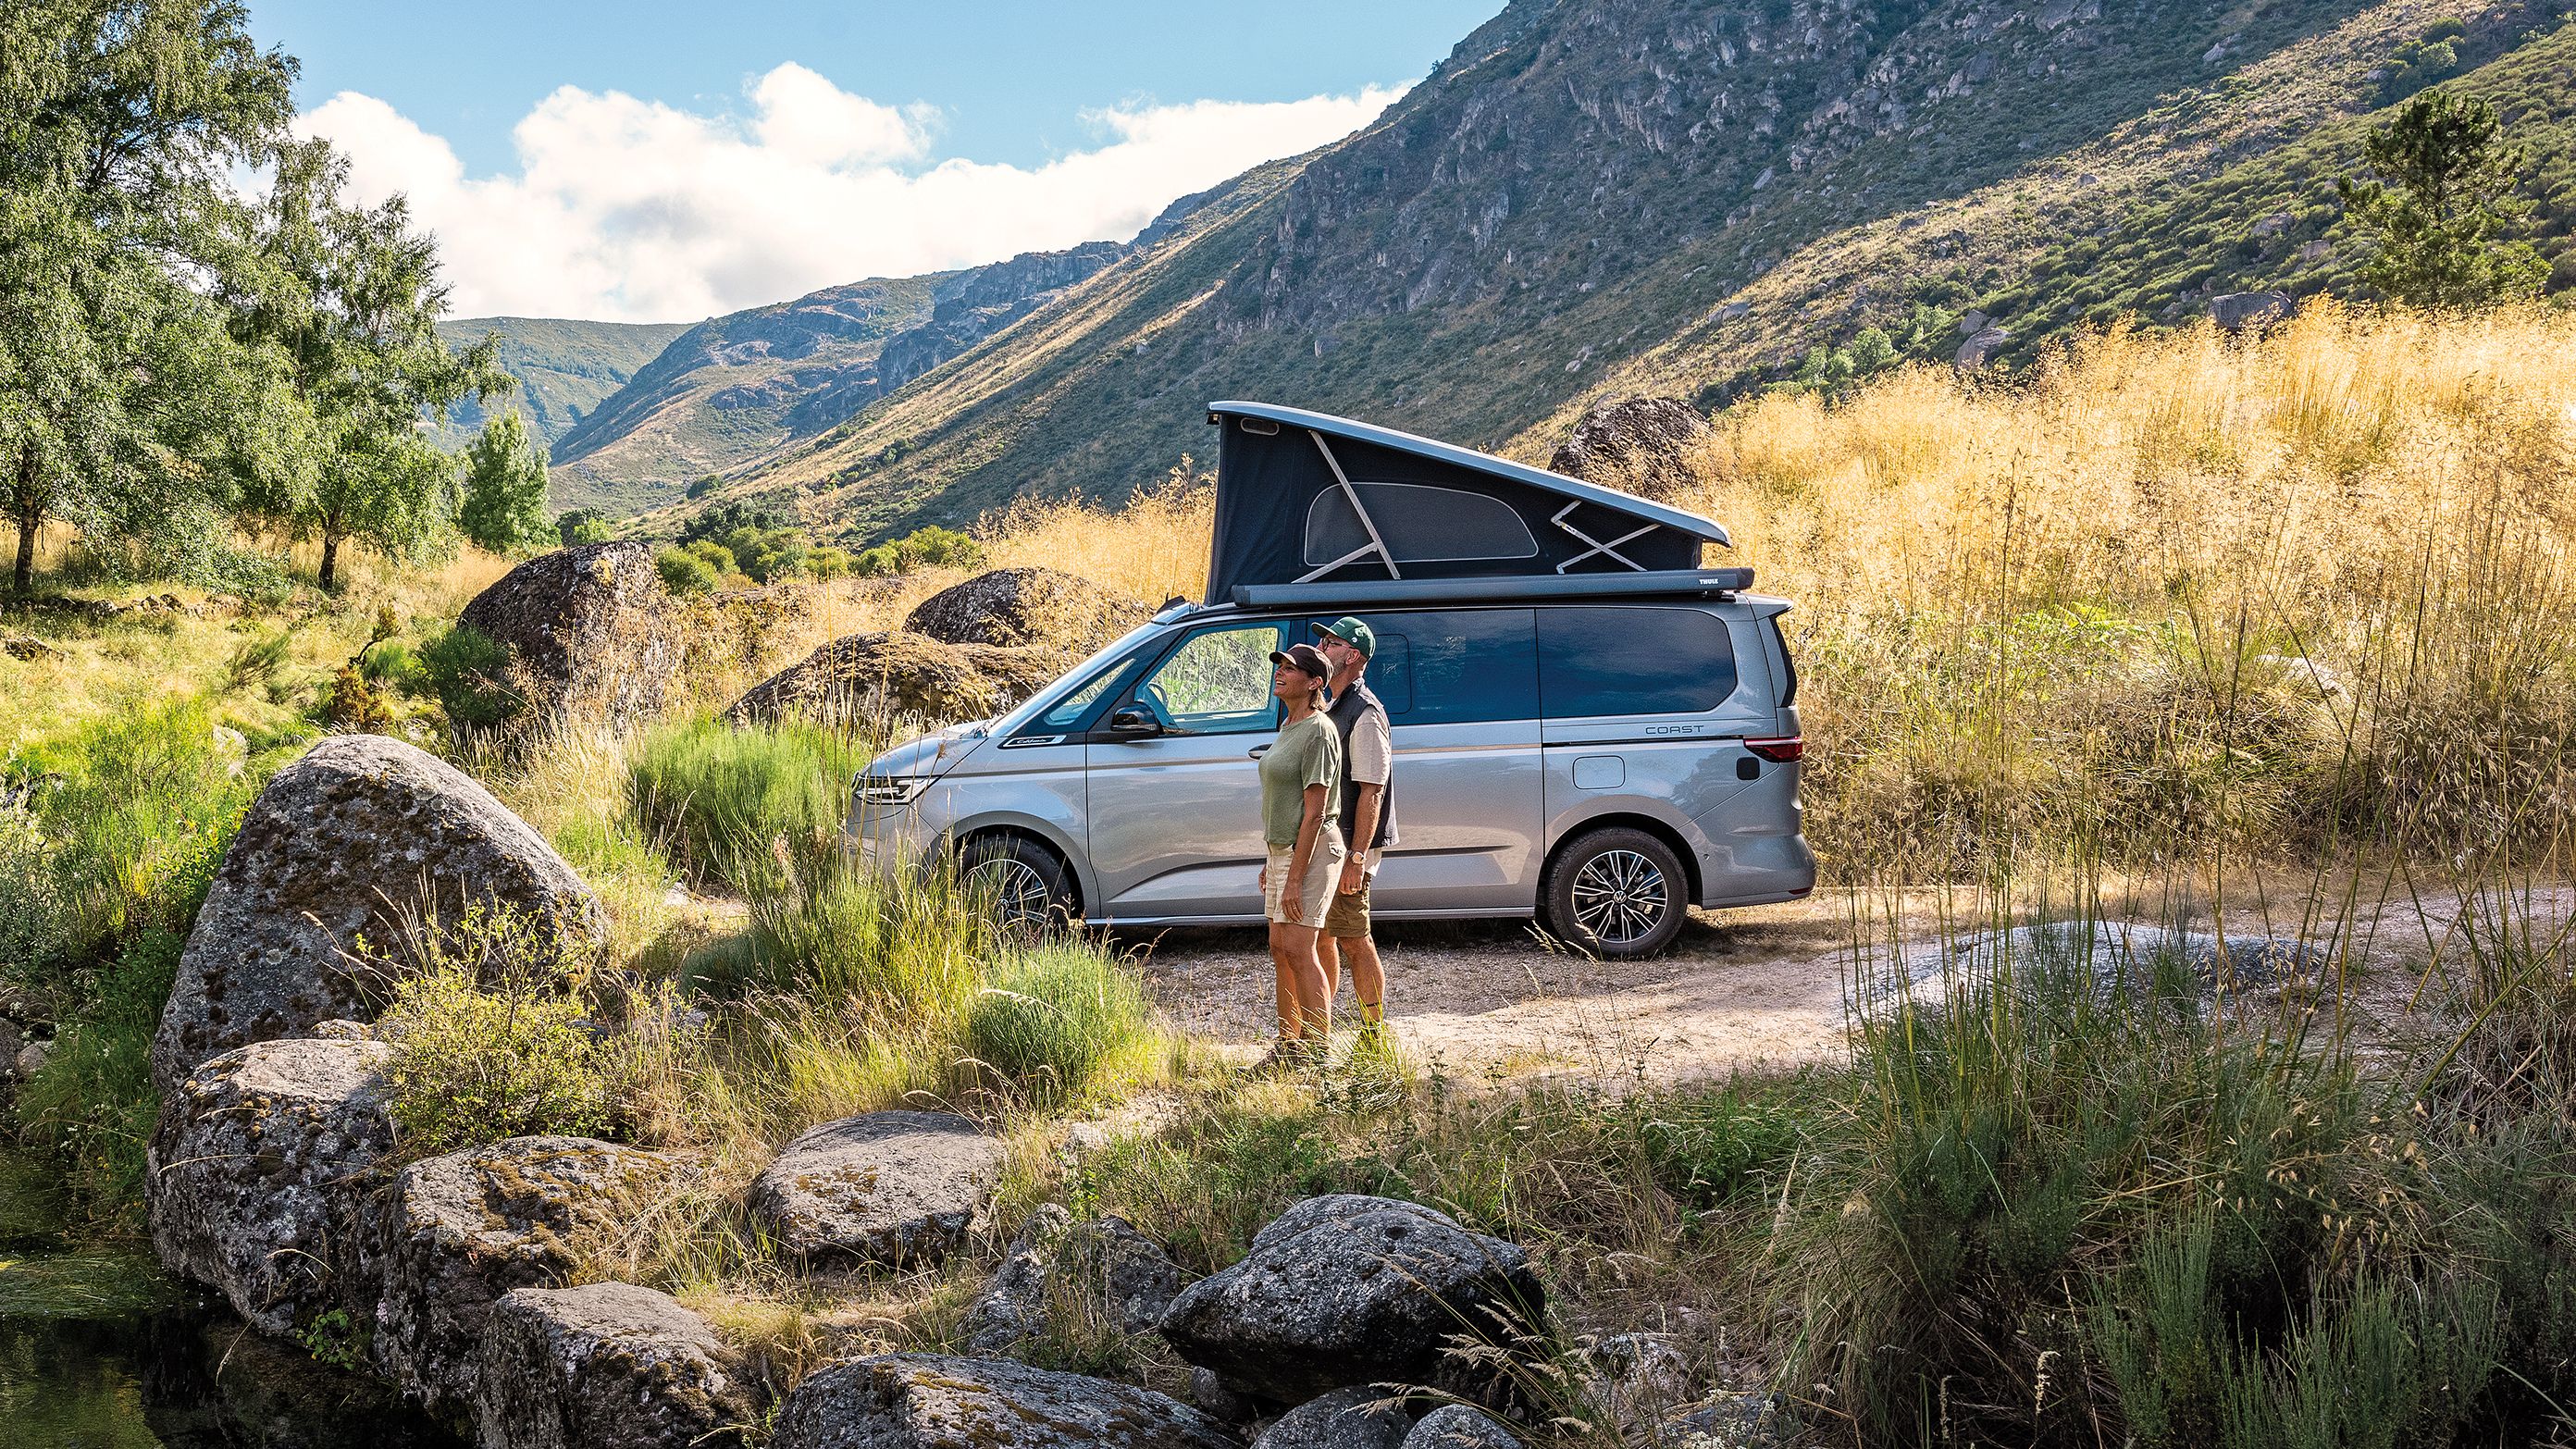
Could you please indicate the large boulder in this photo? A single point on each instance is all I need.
(606, 1364)
(1015, 607)
(1641, 444)
(363, 836)
(932, 1401)
(256, 1174)
(1347, 1289)
(1981, 347)
(897, 674)
(590, 632)
(1105, 1261)
(460, 1230)
(2237, 311)
(886, 1187)
(1358, 1417)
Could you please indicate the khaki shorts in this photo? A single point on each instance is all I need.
(1349, 917)
(1323, 873)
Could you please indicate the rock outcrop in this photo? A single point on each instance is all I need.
(1347, 1289)
(1010, 608)
(350, 840)
(460, 1230)
(901, 675)
(606, 1364)
(1981, 347)
(256, 1173)
(1457, 1426)
(886, 1187)
(2237, 311)
(1640, 444)
(589, 630)
(1105, 1260)
(1359, 1417)
(932, 1401)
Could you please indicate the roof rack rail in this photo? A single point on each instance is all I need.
(1699, 583)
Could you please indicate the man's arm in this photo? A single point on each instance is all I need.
(1364, 818)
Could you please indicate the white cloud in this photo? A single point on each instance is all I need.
(632, 210)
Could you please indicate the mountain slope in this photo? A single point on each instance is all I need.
(565, 368)
(1601, 195)
(740, 387)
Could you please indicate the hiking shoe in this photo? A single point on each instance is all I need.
(1288, 1055)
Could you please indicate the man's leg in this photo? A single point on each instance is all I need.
(1368, 977)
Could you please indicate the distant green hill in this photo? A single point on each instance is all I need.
(564, 367)
(1593, 197)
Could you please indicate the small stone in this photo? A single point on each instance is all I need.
(1349, 1289)
(1358, 1417)
(887, 1187)
(935, 1401)
(1458, 1426)
(607, 1364)
(31, 1058)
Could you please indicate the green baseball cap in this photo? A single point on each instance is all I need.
(1352, 632)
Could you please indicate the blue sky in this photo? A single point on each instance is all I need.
(575, 157)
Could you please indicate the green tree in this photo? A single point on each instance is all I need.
(576, 526)
(345, 302)
(2443, 195)
(123, 401)
(505, 488)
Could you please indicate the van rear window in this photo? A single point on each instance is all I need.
(1618, 661)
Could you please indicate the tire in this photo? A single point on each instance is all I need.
(1634, 892)
(1032, 890)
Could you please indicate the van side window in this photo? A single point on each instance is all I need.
(1217, 682)
(1621, 661)
(1459, 666)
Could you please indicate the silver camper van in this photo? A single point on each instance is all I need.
(1588, 726)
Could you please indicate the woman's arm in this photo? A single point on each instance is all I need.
(1307, 830)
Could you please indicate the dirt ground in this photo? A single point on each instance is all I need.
(1759, 988)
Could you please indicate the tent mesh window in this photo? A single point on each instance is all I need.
(1420, 524)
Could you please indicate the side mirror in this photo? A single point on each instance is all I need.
(1134, 721)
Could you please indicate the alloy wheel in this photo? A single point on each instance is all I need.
(1619, 896)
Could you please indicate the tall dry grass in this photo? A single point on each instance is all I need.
(2171, 588)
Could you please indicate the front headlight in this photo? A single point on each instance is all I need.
(888, 791)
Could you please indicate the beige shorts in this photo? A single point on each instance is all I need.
(1315, 897)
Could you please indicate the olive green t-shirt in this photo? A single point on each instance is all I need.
(1308, 753)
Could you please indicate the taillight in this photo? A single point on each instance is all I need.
(1779, 751)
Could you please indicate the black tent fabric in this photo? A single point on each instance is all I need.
(1308, 498)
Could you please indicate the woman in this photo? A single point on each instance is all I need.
(1300, 798)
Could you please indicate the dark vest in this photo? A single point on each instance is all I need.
(1345, 712)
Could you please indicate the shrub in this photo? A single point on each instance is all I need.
(828, 563)
(930, 547)
(578, 526)
(705, 486)
(467, 671)
(684, 572)
(492, 1039)
(33, 917)
(1052, 1016)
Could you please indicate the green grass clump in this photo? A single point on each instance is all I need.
(1050, 1018)
(903, 951)
(93, 1105)
(720, 798)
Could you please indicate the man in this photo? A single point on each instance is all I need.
(1367, 815)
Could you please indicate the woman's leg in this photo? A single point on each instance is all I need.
(1287, 966)
(1301, 969)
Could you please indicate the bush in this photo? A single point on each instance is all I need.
(467, 671)
(716, 797)
(705, 486)
(1051, 1017)
(33, 918)
(827, 563)
(578, 526)
(684, 572)
(488, 1045)
(931, 547)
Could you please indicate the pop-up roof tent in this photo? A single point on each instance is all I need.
(1305, 499)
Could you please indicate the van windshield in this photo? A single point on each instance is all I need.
(1092, 671)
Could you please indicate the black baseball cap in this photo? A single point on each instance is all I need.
(1306, 657)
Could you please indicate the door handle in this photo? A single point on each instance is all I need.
(1256, 752)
